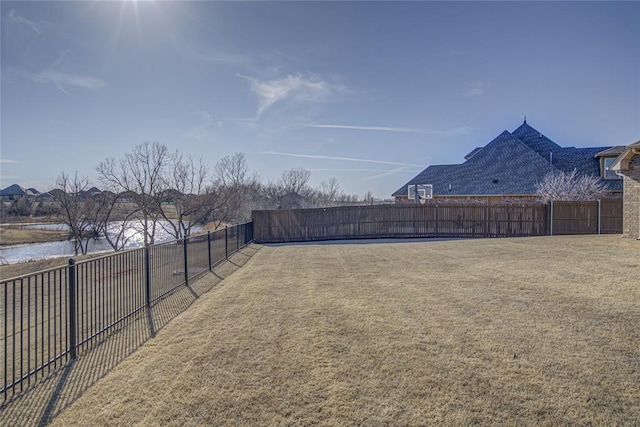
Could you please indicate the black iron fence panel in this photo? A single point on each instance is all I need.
(35, 327)
(108, 291)
(166, 262)
(53, 316)
(197, 260)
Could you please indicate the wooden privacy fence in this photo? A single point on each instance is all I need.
(438, 220)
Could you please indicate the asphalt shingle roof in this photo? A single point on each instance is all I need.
(510, 164)
(536, 141)
(13, 190)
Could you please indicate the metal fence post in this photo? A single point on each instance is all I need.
(147, 276)
(209, 249)
(71, 309)
(226, 242)
(147, 288)
(186, 265)
(237, 237)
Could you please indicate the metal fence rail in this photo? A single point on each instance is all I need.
(52, 316)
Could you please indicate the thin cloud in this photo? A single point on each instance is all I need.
(370, 128)
(345, 159)
(61, 80)
(476, 91)
(296, 87)
(7, 161)
(345, 170)
(202, 130)
(455, 131)
(13, 15)
(401, 169)
(476, 88)
(222, 58)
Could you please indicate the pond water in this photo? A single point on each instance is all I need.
(34, 251)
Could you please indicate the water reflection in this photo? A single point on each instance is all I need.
(133, 237)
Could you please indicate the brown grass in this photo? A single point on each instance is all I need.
(534, 331)
(10, 235)
(8, 271)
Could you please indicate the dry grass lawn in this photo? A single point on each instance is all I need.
(527, 331)
(10, 235)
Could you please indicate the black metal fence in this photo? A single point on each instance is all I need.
(52, 316)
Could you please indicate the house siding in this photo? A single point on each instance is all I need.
(631, 221)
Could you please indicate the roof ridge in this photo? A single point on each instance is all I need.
(508, 134)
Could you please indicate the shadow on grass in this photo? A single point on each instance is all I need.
(42, 402)
(371, 241)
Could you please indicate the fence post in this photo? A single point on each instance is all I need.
(147, 288)
(226, 242)
(72, 308)
(486, 221)
(147, 275)
(186, 265)
(237, 237)
(209, 248)
(599, 215)
(551, 220)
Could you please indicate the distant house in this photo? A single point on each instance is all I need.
(628, 165)
(510, 166)
(15, 192)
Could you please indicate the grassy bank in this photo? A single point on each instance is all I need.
(12, 235)
(525, 331)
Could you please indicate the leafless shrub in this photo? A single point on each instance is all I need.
(570, 187)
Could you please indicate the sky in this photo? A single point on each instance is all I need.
(370, 93)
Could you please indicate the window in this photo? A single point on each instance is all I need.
(609, 174)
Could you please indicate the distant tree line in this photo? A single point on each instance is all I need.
(152, 188)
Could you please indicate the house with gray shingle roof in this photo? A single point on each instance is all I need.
(15, 192)
(511, 165)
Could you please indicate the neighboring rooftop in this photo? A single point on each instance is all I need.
(512, 164)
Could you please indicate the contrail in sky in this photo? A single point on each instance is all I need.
(345, 159)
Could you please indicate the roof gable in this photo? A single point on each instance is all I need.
(612, 151)
(622, 161)
(536, 141)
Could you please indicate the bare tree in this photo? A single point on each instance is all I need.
(244, 190)
(368, 197)
(295, 181)
(140, 175)
(85, 214)
(189, 190)
(329, 193)
(20, 207)
(119, 218)
(569, 187)
(232, 171)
